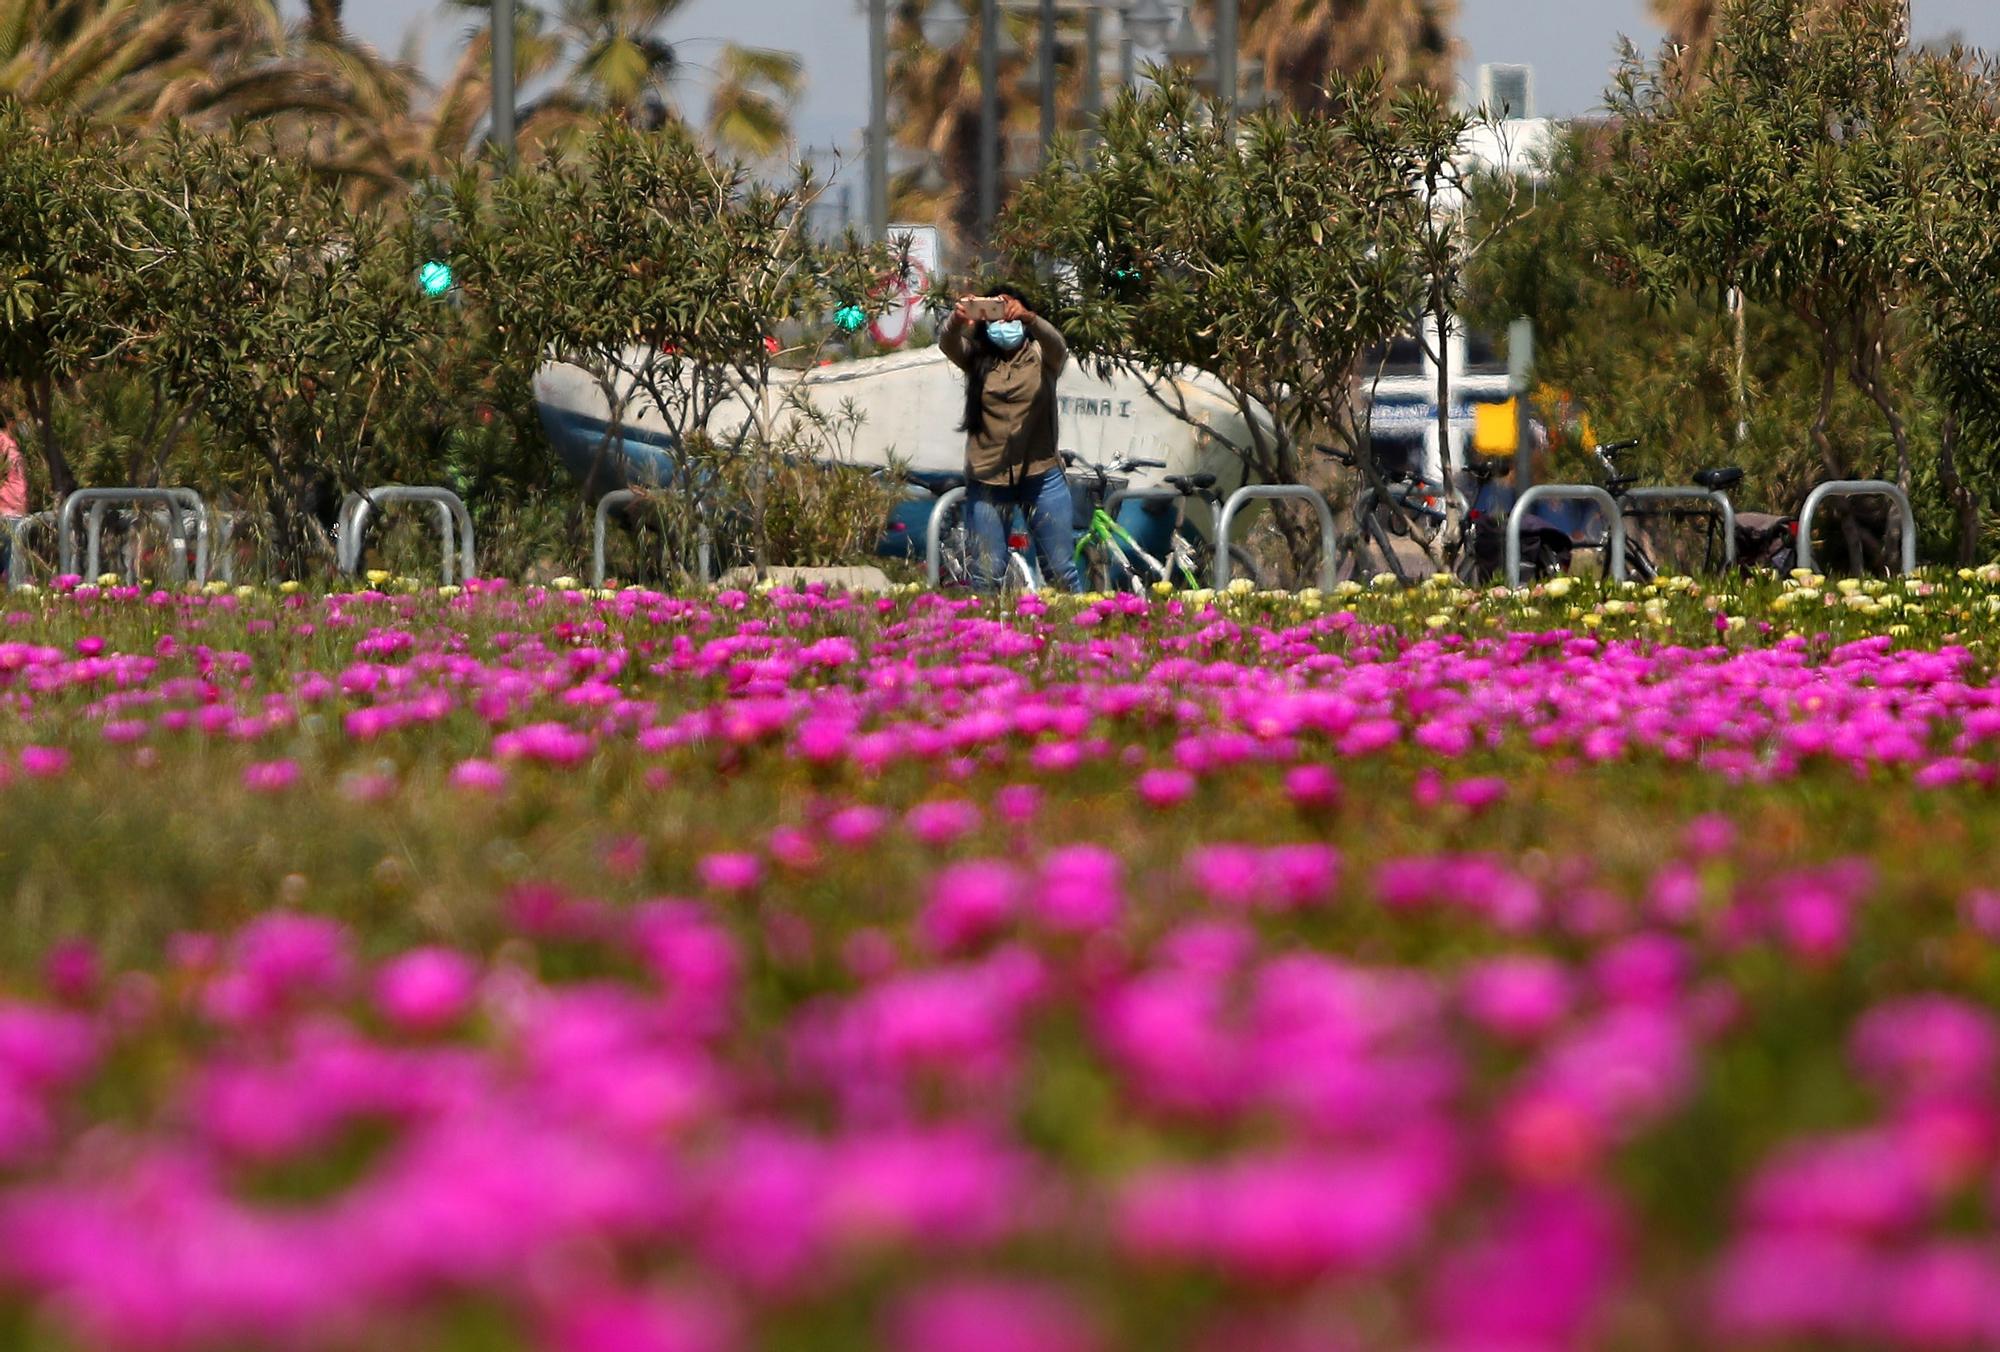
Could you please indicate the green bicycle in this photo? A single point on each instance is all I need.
(1108, 558)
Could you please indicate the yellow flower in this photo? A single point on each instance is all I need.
(289, 585)
(1558, 586)
(560, 584)
(246, 591)
(1241, 586)
(1163, 588)
(107, 579)
(448, 591)
(1437, 621)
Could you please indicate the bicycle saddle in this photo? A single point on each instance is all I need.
(1718, 479)
(1187, 485)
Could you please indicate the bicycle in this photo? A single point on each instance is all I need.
(1419, 514)
(1110, 558)
(955, 547)
(1752, 542)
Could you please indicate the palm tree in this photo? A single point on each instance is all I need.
(1304, 42)
(622, 64)
(1689, 23)
(619, 65)
(935, 93)
(749, 110)
(137, 65)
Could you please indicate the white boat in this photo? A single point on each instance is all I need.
(910, 404)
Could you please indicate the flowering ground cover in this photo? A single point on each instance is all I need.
(510, 969)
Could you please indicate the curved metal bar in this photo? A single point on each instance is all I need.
(1859, 488)
(1565, 492)
(1689, 492)
(1329, 533)
(17, 539)
(933, 541)
(454, 525)
(704, 545)
(185, 498)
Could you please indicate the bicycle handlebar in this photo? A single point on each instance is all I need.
(1614, 447)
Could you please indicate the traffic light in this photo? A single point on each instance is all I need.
(850, 317)
(435, 277)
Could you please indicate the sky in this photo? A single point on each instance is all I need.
(1570, 43)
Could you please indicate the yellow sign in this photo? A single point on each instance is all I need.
(1495, 429)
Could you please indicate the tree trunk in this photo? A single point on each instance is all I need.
(42, 406)
(1963, 502)
(1829, 369)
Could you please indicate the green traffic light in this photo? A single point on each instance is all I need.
(435, 277)
(850, 317)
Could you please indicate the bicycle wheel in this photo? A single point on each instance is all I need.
(954, 548)
(1639, 564)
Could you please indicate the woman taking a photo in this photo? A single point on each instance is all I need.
(1011, 365)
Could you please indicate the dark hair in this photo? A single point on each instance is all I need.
(985, 356)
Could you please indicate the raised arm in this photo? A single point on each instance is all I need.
(951, 338)
(1055, 352)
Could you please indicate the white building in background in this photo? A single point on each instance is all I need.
(1401, 402)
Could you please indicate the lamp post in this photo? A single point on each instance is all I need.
(878, 120)
(502, 131)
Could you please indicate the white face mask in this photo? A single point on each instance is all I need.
(1007, 334)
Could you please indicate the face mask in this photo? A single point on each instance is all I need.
(1006, 334)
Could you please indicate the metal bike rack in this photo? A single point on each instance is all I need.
(933, 539)
(173, 525)
(1859, 488)
(170, 498)
(1560, 493)
(451, 513)
(1688, 493)
(1328, 532)
(17, 537)
(704, 545)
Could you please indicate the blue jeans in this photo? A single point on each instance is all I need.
(989, 511)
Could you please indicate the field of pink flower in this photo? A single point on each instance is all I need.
(520, 969)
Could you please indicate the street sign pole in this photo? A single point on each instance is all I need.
(1520, 370)
(503, 79)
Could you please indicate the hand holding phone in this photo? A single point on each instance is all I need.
(986, 309)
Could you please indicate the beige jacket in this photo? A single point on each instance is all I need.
(1020, 404)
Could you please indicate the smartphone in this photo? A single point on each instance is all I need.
(986, 309)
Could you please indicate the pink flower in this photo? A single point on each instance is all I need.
(853, 828)
(1079, 891)
(548, 743)
(1519, 998)
(729, 871)
(427, 990)
(1165, 788)
(938, 824)
(989, 1315)
(270, 776)
(44, 762)
(649, 1322)
(1313, 787)
(968, 904)
(478, 776)
(1928, 1045)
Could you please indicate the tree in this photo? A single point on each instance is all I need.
(1956, 254)
(1783, 172)
(663, 272)
(278, 314)
(56, 261)
(1271, 260)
